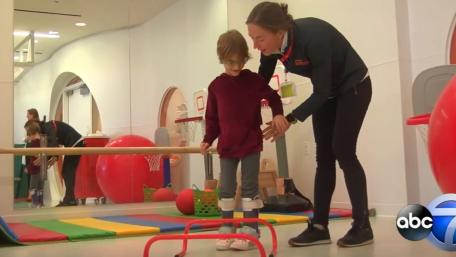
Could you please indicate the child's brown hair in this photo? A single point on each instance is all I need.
(32, 127)
(232, 43)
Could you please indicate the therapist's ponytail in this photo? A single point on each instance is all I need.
(271, 16)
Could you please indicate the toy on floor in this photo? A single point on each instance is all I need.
(205, 202)
(201, 203)
(163, 195)
(184, 202)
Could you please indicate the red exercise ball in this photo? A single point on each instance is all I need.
(184, 201)
(442, 139)
(163, 195)
(122, 177)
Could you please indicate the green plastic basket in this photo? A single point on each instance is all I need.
(148, 192)
(206, 202)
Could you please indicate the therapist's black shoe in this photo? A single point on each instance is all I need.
(67, 203)
(313, 235)
(358, 235)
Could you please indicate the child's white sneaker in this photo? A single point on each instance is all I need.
(243, 244)
(223, 244)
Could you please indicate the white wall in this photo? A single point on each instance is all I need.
(370, 26)
(79, 114)
(430, 24)
(176, 48)
(411, 165)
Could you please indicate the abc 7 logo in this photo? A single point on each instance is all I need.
(437, 223)
(414, 222)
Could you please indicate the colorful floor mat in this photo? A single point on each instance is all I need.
(128, 225)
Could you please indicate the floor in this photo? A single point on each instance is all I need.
(388, 242)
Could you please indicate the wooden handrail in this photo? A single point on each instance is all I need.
(101, 150)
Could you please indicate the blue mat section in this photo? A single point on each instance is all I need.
(6, 229)
(163, 225)
(7, 236)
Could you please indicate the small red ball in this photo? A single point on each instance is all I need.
(163, 195)
(184, 202)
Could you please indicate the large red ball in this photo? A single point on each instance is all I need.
(184, 202)
(442, 139)
(122, 177)
(164, 194)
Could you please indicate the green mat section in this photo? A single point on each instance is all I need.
(74, 232)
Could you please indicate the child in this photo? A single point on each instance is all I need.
(32, 114)
(233, 115)
(34, 167)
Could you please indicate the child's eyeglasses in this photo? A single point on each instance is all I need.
(234, 62)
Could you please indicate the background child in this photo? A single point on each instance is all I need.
(34, 167)
(233, 115)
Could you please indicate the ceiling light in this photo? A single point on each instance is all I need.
(36, 41)
(44, 35)
(37, 34)
(80, 24)
(21, 33)
(53, 32)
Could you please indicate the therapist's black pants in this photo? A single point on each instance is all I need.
(69, 168)
(336, 127)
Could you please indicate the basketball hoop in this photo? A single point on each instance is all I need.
(154, 161)
(187, 127)
(422, 122)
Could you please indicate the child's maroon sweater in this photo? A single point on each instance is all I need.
(233, 113)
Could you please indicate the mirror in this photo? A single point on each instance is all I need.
(106, 68)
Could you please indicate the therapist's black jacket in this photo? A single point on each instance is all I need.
(321, 53)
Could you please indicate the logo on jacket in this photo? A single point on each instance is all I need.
(301, 62)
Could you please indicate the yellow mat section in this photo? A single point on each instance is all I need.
(118, 228)
(279, 218)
